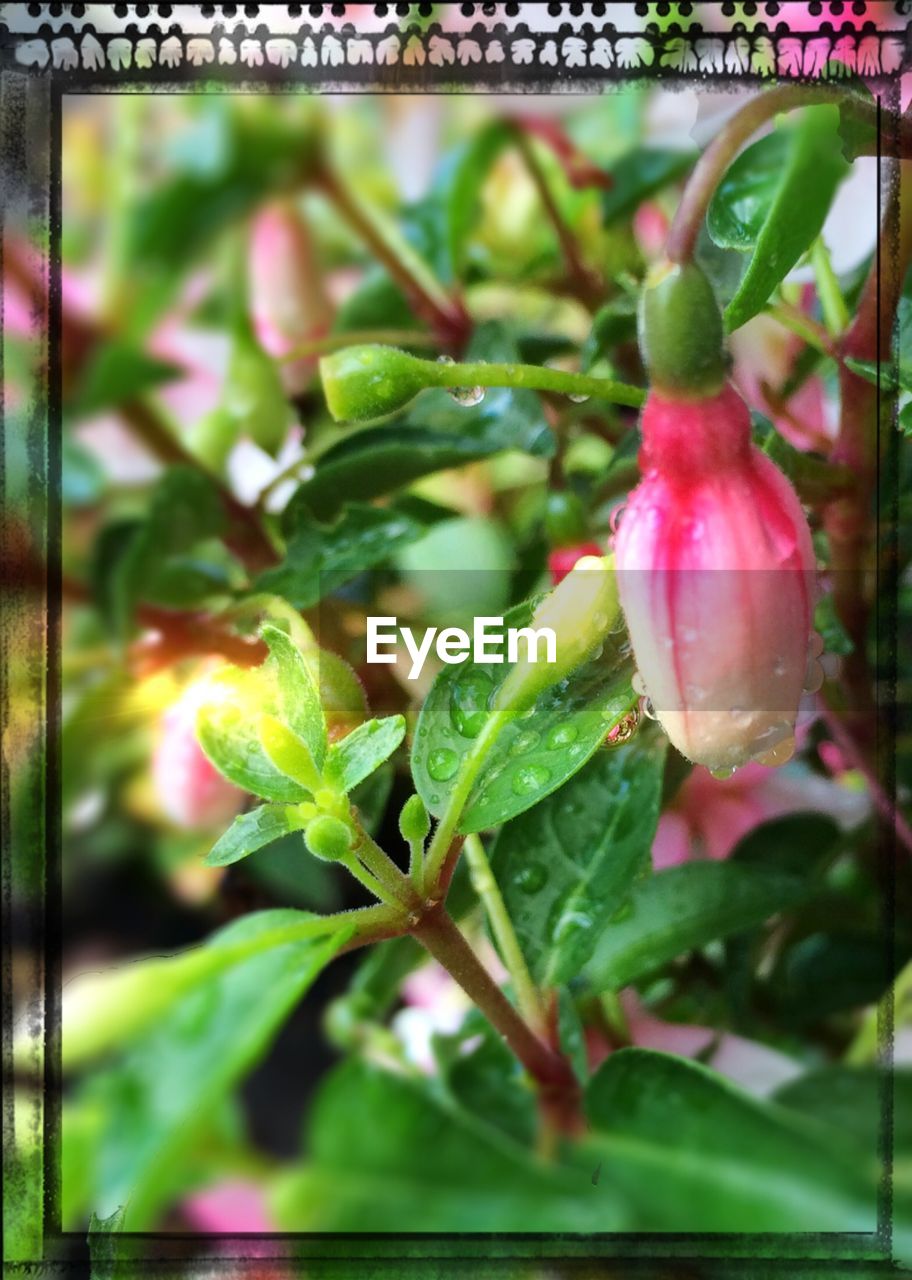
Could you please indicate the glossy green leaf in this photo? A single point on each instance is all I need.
(251, 831)
(117, 373)
(227, 731)
(566, 867)
(299, 705)
(696, 1154)
(321, 558)
(774, 199)
(853, 1102)
(480, 1074)
(381, 1144)
(434, 434)
(683, 908)
(640, 174)
(532, 756)
(363, 750)
(159, 1098)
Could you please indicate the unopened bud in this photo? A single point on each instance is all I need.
(327, 838)
(414, 823)
(367, 382)
(681, 334)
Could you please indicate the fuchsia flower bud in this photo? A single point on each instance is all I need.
(714, 560)
(289, 302)
(191, 791)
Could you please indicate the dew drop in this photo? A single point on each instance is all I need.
(695, 693)
(638, 684)
(649, 710)
(442, 764)
(779, 666)
(815, 645)
(531, 878)
(617, 516)
(577, 398)
(572, 925)
(468, 397)
(624, 730)
(531, 778)
(445, 360)
(561, 736)
(524, 742)
(742, 716)
(779, 754)
(813, 676)
(724, 771)
(469, 703)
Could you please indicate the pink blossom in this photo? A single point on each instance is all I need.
(191, 791)
(288, 295)
(715, 565)
(562, 559)
(709, 816)
(233, 1207)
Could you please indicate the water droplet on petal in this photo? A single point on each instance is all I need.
(442, 764)
(779, 754)
(813, 676)
(530, 778)
(779, 666)
(617, 516)
(648, 710)
(638, 684)
(815, 645)
(723, 772)
(742, 716)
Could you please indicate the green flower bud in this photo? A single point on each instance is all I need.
(580, 611)
(681, 333)
(565, 520)
(367, 382)
(254, 396)
(327, 838)
(345, 1018)
(414, 823)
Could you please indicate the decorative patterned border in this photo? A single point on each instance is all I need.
(444, 46)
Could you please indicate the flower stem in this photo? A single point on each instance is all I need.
(535, 378)
(381, 865)
(370, 882)
(487, 889)
(465, 780)
(440, 936)
(446, 315)
(682, 237)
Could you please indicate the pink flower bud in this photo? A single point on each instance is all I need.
(715, 575)
(562, 559)
(191, 791)
(288, 299)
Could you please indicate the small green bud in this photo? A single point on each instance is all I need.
(587, 455)
(345, 1018)
(414, 823)
(681, 332)
(580, 611)
(288, 752)
(327, 838)
(367, 382)
(565, 520)
(254, 396)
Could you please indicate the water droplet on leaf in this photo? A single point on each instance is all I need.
(442, 764)
(561, 736)
(469, 703)
(524, 742)
(531, 878)
(531, 778)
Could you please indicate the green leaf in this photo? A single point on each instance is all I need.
(363, 750)
(774, 199)
(890, 379)
(640, 174)
(851, 1101)
(165, 1092)
(299, 705)
(382, 1145)
(117, 373)
(257, 154)
(435, 433)
(106, 1010)
(143, 562)
(252, 831)
(227, 731)
(697, 1154)
(532, 756)
(440, 224)
(684, 908)
(568, 865)
(319, 558)
(480, 1074)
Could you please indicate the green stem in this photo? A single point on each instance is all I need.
(487, 889)
(804, 327)
(702, 183)
(465, 780)
(382, 866)
(416, 864)
(338, 341)
(832, 303)
(370, 882)
(535, 378)
(445, 314)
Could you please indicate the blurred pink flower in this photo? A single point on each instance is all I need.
(191, 791)
(709, 816)
(235, 1206)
